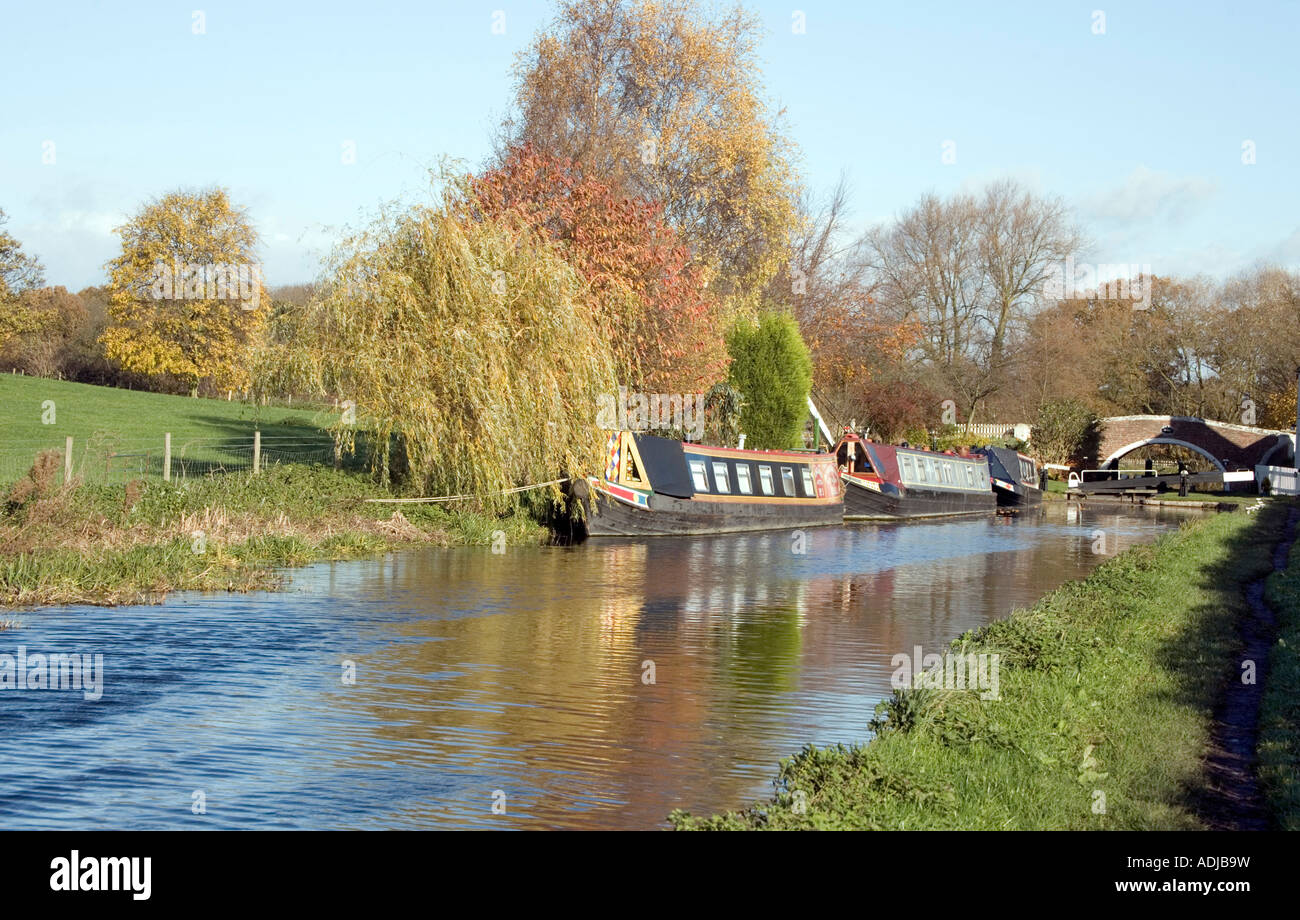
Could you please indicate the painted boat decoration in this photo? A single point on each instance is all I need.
(882, 481)
(1014, 475)
(657, 486)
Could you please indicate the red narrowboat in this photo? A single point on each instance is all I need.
(882, 481)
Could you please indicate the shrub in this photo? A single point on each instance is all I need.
(1065, 431)
(771, 368)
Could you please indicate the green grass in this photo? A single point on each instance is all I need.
(1279, 742)
(1231, 498)
(119, 433)
(109, 543)
(120, 534)
(83, 410)
(1107, 692)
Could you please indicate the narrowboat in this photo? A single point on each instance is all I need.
(1015, 476)
(657, 486)
(882, 481)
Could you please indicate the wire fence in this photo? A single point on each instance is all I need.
(114, 460)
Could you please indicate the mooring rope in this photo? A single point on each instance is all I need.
(458, 498)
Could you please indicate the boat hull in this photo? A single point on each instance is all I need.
(862, 502)
(1019, 497)
(668, 516)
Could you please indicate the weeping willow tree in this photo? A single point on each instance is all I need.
(465, 341)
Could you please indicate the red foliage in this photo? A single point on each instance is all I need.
(668, 335)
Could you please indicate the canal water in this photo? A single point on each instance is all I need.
(595, 686)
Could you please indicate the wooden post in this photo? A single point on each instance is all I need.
(67, 460)
(167, 457)
(257, 451)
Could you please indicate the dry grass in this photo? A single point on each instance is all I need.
(138, 542)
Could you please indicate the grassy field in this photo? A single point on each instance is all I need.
(1279, 743)
(123, 535)
(83, 410)
(1107, 692)
(119, 433)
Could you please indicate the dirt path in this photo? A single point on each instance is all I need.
(1233, 801)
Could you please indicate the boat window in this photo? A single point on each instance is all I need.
(742, 479)
(720, 477)
(932, 469)
(947, 472)
(920, 469)
(700, 476)
(970, 475)
(905, 467)
(787, 481)
(765, 479)
(808, 488)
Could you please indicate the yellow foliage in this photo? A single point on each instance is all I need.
(468, 342)
(186, 293)
(666, 103)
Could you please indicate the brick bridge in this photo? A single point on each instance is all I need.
(1227, 446)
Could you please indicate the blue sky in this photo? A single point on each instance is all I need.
(1140, 129)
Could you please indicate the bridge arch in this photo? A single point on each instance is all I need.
(1285, 443)
(1129, 448)
(1223, 443)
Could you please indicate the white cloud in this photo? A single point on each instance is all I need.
(1287, 252)
(1151, 195)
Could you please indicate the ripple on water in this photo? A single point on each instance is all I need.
(593, 686)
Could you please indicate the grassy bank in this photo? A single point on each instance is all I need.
(1107, 690)
(118, 434)
(1279, 742)
(139, 541)
(81, 410)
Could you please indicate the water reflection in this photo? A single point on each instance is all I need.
(594, 686)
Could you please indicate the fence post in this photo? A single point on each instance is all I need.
(67, 460)
(257, 451)
(167, 457)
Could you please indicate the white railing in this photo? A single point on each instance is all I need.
(997, 430)
(1282, 480)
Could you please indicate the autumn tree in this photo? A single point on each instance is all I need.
(1065, 431)
(664, 103)
(1024, 241)
(647, 296)
(970, 270)
(858, 351)
(1259, 350)
(55, 318)
(19, 272)
(187, 297)
(462, 339)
